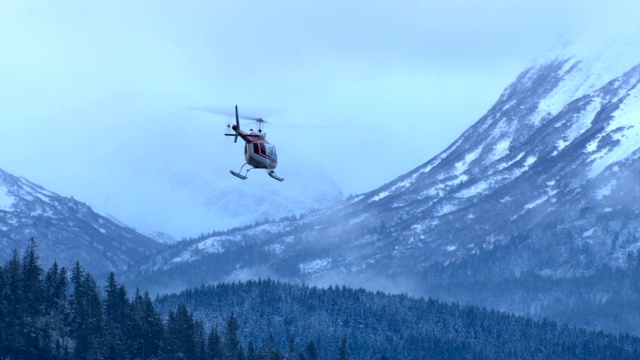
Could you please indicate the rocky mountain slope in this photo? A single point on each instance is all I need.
(534, 209)
(66, 230)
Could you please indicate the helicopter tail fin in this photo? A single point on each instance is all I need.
(237, 125)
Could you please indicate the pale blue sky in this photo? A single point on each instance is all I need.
(93, 89)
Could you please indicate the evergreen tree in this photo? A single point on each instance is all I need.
(311, 351)
(24, 331)
(35, 331)
(180, 337)
(56, 287)
(252, 354)
(291, 350)
(169, 346)
(342, 351)
(214, 346)
(231, 344)
(32, 289)
(118, 320)
(199, 339)
(13, 320)
(3, 314)
(78, 311)
(270, 351)
(86, 324)
(77, 275)
(148, 328)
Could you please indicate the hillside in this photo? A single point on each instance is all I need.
(398, 326)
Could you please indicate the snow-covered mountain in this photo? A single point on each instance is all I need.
(66, 230)
(534, 209)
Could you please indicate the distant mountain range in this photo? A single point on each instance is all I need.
(66, 230)
(533, 210)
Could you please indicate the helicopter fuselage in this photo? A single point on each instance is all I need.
(258, 152)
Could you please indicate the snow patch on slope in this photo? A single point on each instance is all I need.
(211, 245)
(315, 266)
(6, 200)
(581, 123)
(509, 163)
(623, 130)
(407, 182)
(462, 166)
(605, 190)
(561, 95)
(445, 209)
(500, 150)
(592, 60)
(476, 189)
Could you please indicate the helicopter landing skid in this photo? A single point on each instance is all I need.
(238, 175)
(273, 175)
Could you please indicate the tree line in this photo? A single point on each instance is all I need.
(398, 326)
(54, 315)
(63, 315)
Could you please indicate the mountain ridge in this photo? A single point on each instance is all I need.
(66, 229)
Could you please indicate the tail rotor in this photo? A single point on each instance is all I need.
(235, 139)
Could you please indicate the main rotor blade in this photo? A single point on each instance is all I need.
(218, 110)
(247, 111)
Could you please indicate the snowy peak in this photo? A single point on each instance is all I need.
(488, 147)
(543, 145)
(22, 197)
(498, 147)
(66, 230)
(13, 189)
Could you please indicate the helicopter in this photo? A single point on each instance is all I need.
(258, 152)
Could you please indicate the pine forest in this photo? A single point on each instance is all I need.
(65, 314)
